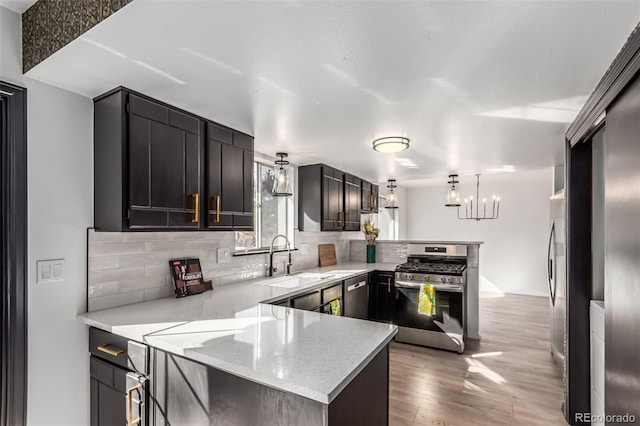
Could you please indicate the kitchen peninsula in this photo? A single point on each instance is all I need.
(228, 356)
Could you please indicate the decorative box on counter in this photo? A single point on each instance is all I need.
(187, 277)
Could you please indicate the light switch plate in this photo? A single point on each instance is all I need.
(304, 248)
(50, 270)
(223, 255)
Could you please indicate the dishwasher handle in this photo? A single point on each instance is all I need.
(356, 286)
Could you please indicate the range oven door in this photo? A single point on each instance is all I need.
(444, 330)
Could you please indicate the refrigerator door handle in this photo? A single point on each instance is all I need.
(552, 292)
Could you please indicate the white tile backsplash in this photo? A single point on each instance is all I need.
(131, 267)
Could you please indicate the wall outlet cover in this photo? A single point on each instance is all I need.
(50, 270)
(223, 255)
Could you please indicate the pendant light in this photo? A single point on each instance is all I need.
(391, 144)
(453, 196)
(282, 185)
(392, 198)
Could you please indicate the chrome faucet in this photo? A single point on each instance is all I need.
(288, 244)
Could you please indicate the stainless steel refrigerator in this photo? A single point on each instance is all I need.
(556, 276)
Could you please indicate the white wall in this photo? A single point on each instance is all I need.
(513, 256)
(60, 208)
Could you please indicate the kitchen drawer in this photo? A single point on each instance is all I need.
(331, 293)
(119, 350)
(308, 302)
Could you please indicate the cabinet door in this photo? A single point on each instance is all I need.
(382, 297)
(216, 217)
(352, 204)
(365, 196)
(333, 201)
(164, 174)
(107, 394)
(374, 198)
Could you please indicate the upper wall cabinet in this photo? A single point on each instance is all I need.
(328, 199)
(369, 197)
(157, 169)
(230, 179)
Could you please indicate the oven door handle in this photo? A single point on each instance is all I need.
(408, 284)
(449, 288)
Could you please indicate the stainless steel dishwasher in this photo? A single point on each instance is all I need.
(356, 297)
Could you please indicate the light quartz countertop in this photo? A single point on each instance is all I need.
(230, 328)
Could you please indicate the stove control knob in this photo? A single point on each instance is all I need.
(443, 279)
(410, 277)
(450, 279)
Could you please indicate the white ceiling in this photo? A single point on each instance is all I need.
(17, 5)
(476, 86)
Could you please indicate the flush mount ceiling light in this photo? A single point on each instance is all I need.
(282, 185)
(469, 214)
(391, 144)
(392, 198)
(453, 196)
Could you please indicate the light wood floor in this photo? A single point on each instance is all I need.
(506, 378)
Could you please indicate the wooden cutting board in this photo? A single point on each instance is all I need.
(327, 253)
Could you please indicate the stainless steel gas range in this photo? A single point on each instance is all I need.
(443, 269)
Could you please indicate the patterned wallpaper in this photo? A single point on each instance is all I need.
(49, 25)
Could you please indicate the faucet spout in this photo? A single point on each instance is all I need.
(288, 245)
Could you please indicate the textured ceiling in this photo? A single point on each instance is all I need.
(476, 86)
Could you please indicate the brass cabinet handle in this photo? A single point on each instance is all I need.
(111, 351)
(196, 216)
(340, 214)
(130, 420)
(217, 212)
(388, 285)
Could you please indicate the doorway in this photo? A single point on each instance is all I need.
(13, 254)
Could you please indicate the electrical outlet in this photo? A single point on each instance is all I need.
(304, 248)
(223, 255)
(49, 271)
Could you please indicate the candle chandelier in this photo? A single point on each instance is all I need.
(453, 200)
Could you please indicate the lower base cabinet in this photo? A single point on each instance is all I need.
(179, 391)
(185, 392)
(382, 296)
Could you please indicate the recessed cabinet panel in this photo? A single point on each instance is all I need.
(139, 161)
(148, 109)
(167, 167)
(247, 182)
(232, 179)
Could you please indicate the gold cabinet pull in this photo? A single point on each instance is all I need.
(340, 219)
(130, 420)
(217, 212)
(111, 351)
(196, 215)
(388, 285)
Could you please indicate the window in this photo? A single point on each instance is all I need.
(272, 215)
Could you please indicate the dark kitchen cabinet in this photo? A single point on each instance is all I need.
(382, 296)
(230, 179)
(328, 199)
(333, 214)
(107, 393)
(351, 203)
(153, 164)
(165, 153)
(307, 302)
(369, 197)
